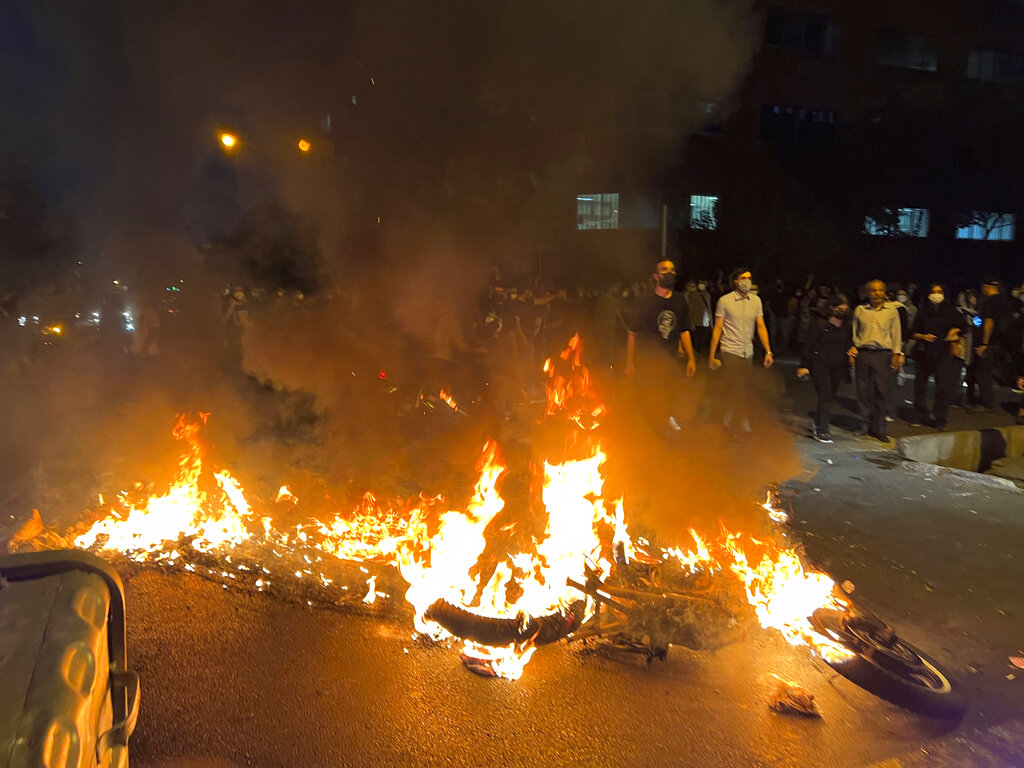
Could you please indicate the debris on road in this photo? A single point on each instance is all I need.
(790, 698)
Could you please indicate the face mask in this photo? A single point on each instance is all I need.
(744, 285)
(667, 280)
(754, 291)
(935, 298)
(902, 298)
(701, 286)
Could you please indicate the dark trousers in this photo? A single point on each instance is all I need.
(827, 379)
(946, 371)
(701, 336)
(981, 374)
(874, 380)
(736, 382)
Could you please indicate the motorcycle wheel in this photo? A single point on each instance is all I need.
(897, 672)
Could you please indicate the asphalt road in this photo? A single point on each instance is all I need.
(233, 678)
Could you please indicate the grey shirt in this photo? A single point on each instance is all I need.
(877, 328)
(739, 313)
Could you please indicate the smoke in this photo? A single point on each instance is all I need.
(447, 140)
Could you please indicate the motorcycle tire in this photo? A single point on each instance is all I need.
(900, 673)
(489, 630)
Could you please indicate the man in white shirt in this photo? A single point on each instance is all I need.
(877, 353)
(738, 316)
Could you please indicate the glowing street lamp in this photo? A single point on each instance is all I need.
(304, 146)
(228, 140)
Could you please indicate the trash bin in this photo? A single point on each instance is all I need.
(67, 697)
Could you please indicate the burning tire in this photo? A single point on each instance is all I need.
(488, 630)
(892, 668)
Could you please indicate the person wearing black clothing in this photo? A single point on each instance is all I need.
(937, 326)
(824, 356)
(659, 328)
(997, 320)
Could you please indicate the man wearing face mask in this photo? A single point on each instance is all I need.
(936, 328)
(824, 358)
(658, 328)
(699, 299)
(737, 317)
(903, 297)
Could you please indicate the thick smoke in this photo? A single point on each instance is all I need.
(448, 141)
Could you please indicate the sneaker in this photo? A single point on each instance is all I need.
(890, 419)
(822, 437)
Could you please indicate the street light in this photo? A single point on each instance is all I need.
(228, 140)
(304, 146)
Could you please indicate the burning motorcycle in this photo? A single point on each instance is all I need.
(652, 600)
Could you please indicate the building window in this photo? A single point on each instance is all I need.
(803, 31)
(995, 67)
(797, 124)
(898, 222)
(898, 50)
(597, 211)
(982, 225)
(704, 212)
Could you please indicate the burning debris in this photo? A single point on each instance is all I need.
(536, 554)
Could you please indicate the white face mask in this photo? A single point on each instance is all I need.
(936, 298)
(701, 286)
(744, 285)
(902, 298)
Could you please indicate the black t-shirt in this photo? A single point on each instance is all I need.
(659, 321)
(999, 307)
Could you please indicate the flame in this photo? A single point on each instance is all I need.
(285, 494)
(487, 558)
(447, 397)
(211, 518)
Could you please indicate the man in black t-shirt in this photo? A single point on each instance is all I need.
(659, 328)
(997, 320)
(661, 321)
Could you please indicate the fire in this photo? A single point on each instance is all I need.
(508, 553)
(447, 397)
(212, 518)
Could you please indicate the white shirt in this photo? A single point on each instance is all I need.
(739, 312)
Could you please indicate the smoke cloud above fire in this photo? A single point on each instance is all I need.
(447, 143)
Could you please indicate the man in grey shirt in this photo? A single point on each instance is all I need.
(738, 316)
(877, 354)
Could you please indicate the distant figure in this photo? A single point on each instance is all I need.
(236, 320)
(824, 357)
(936, 328)
(702, 312)
(995, 342)
(877, 353)
(145, 340)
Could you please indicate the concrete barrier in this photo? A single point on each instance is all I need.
(974, 450)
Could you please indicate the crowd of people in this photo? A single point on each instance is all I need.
(668, 328)
(974, 340)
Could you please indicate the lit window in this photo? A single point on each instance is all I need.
(896, 49)
(704, 212)
(982, 225)
(898, 222)
(599, 211)
(804, 31)
(995, 67)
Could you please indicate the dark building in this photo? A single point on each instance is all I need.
(870, 138)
